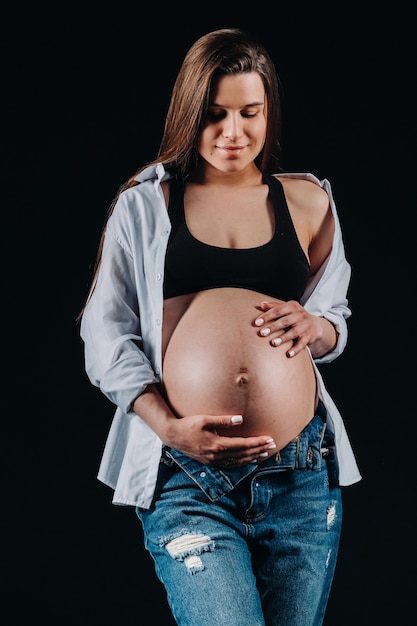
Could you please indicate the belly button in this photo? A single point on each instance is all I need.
(242, 379)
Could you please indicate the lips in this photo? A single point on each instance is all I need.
(231, 150)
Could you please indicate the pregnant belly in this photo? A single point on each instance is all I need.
(215, 363)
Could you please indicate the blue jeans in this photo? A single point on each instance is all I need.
(250, 546)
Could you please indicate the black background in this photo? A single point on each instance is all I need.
(84, 102)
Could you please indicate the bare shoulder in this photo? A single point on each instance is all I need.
(305, 195)
(309, 206)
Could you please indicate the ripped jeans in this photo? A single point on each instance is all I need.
(249, 546)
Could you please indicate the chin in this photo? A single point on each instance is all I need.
(233, 166)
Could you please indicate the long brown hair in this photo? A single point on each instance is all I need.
(227, 51)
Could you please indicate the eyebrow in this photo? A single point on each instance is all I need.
(250, 104)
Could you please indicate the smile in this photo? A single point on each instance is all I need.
(231, 151)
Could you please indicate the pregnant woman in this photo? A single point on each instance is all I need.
(220, 284)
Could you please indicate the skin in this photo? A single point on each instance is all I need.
(227, 177)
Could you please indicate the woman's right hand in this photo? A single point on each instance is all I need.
(197, 436)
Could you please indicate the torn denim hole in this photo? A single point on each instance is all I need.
(331, 514)
(188, 547)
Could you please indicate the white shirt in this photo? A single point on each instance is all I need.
(122, 332)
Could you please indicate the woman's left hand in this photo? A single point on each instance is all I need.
(282, 322)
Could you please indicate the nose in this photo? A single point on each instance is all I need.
(232, 126)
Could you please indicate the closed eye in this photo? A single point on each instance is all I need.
(215, 115)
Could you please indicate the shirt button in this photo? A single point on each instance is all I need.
(158, 322)
(202, 474)
(159, 276)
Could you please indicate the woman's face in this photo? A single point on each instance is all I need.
(234, 130)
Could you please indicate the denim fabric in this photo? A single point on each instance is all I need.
(250, 546)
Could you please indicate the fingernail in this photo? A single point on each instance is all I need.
(291, 353)
(263, 454)
(259, 322)
(277, 341)
(269, 440)
(265, 332)
(236, 419)
(271, 447)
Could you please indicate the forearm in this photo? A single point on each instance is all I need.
(325, 337)
(152, 408)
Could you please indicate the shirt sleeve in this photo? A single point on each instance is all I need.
(326, 293)
(115, 359)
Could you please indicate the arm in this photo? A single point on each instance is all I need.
(319, 320)
(115, 360)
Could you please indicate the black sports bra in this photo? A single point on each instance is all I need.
(278, 268)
